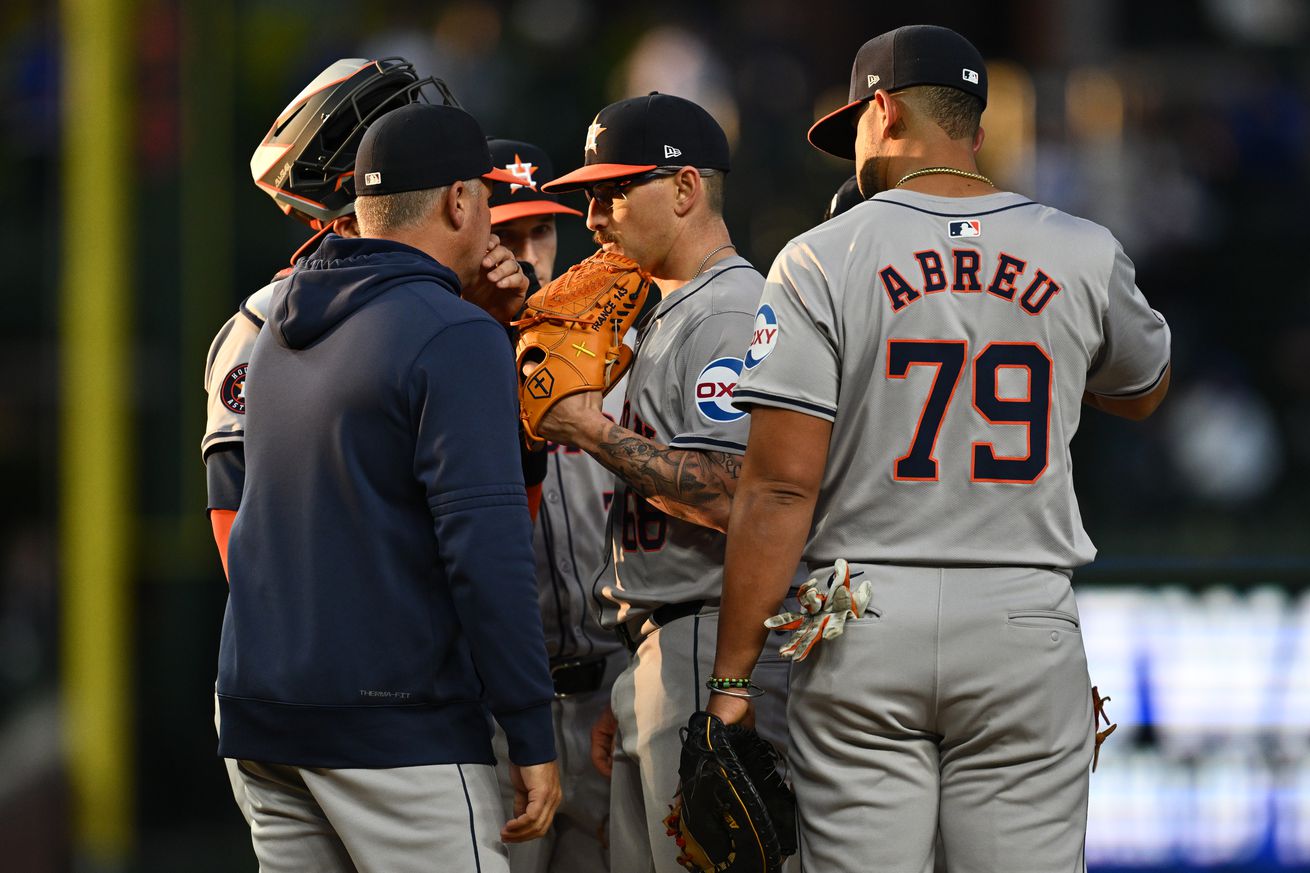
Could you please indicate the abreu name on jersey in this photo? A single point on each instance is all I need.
(962, 276)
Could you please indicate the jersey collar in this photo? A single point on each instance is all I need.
(692, 287)
(952, 206)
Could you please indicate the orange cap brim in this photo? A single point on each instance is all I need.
(511, 211)
(594, 173)
(496, 174)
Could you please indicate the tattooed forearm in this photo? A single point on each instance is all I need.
(691, 484)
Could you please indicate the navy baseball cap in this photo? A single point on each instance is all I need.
(641, 133)
(423, 146)
(918, 54)
(531, 168)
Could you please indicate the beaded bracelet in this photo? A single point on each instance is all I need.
(718, 682)
(741, 688)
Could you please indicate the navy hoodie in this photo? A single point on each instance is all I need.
(383, 596)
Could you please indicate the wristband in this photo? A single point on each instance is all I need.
(741, 688)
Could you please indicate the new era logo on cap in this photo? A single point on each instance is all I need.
(372, 178)
(972, 227)
(874, 80)
(969, 75)
(671, 152)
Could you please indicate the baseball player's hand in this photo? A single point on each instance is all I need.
(572, 418)
(731, 710)
(602, 742)
(537, 795)
(501, 287)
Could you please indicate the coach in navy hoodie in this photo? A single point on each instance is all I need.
(382, 590)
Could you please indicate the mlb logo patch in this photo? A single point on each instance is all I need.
(969, 75)
(372, 178)
(971, 227)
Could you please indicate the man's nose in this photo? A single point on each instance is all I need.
(598, 214)
(529, 252)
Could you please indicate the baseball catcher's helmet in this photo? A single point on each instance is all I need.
(306, 162)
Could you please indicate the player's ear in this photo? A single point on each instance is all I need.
(455, 206)
(890, 112)
(978, 137)
(687, 189)
(346, 225)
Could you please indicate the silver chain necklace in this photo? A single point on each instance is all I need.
(706, 260)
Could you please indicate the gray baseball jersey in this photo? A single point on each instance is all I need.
(679, 393)
(570, 540)
(949, 340)
(225, 372)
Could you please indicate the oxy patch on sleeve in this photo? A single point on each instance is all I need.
(764, 336)
(714, 387)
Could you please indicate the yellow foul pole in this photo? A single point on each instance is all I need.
(96, 383)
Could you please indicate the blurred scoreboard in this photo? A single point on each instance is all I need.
(1210, 766)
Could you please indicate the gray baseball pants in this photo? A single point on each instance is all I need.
(233, 770)
(652, 699)
(960, 702)
(579, 839)
(427, 819)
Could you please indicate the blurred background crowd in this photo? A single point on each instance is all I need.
(1182, 125)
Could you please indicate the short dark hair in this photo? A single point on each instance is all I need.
(713, 182)
(954, 111)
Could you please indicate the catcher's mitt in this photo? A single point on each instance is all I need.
(732, 813)
(571, 334)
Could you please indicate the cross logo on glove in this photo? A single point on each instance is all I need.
(541, 384)
(827, 600)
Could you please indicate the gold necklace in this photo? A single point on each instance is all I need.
(950, 171)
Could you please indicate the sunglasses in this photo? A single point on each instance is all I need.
(608, 191)
(616, 189)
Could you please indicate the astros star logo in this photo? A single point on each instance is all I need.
(521, 169)
(592, 132)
